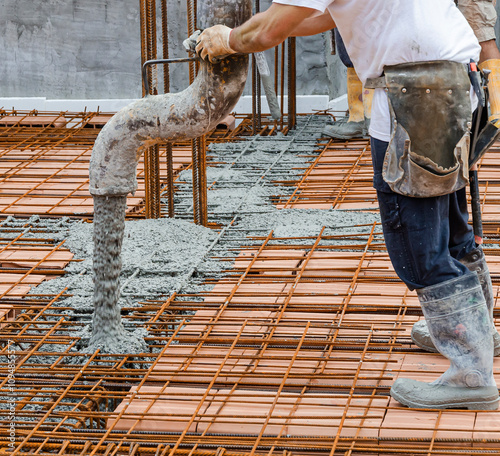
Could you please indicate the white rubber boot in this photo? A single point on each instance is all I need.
(459, 324)
(474, 261)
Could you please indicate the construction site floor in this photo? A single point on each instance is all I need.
(282, 336)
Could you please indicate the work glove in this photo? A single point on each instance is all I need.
(213, 43)
(190, 43)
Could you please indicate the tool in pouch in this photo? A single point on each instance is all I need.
(484, 134)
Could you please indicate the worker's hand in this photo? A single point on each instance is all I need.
(213, 43)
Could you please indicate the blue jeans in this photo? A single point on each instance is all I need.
(425, 237)
(342, 51)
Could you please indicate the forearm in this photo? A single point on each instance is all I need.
(489, 50)
(268, 29)
(254, 36)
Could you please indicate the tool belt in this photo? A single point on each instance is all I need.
(431, 118)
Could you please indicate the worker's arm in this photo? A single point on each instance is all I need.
(263, 31)
(314, 25)
(268, 29)
(489, 50)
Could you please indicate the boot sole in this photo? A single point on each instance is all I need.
(473, 404)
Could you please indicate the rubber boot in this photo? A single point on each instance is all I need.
(458, 322)
(475, 261)
(355, 125)
(493, 89)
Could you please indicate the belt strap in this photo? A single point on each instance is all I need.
(380, 82)
(376, 83)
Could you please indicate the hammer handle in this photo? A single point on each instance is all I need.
(477, 222)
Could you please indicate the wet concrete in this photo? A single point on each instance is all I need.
(108, 333)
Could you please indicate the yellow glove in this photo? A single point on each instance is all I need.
(493, 89)
(213, 43)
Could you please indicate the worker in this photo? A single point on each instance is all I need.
(481, 16)
(414, 52)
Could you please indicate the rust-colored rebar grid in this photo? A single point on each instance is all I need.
(45, 158)
(293, 351)
(28, 256)
(341, 178)
(289, 349)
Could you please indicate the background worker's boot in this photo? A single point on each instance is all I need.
(459, 324)
(355, 126)
(474, 261)
(493, 89)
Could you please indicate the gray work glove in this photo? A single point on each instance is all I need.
(190, 43)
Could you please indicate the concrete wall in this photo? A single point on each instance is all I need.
(90, 49)
(69, 48)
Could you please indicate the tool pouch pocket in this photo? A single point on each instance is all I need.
(431, 118)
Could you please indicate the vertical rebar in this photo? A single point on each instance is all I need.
(144, 40)
(151, 42)
(191, 24)
(258, 84)
(282, 82)
(151, 155)
(164, 33)
(292, 93)
(166, 88)
(170, 180)
(196, 181)
(254, 95)
(152, 181)
(202, 181)
(198, 144)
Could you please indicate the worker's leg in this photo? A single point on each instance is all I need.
(417, 232)
(493, 65)
(464, 249)
(456, 313)
(359, 101)
(417, 235)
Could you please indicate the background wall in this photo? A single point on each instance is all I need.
(69, 48)
(90, 49)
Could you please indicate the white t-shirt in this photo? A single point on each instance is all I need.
(387, 32)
